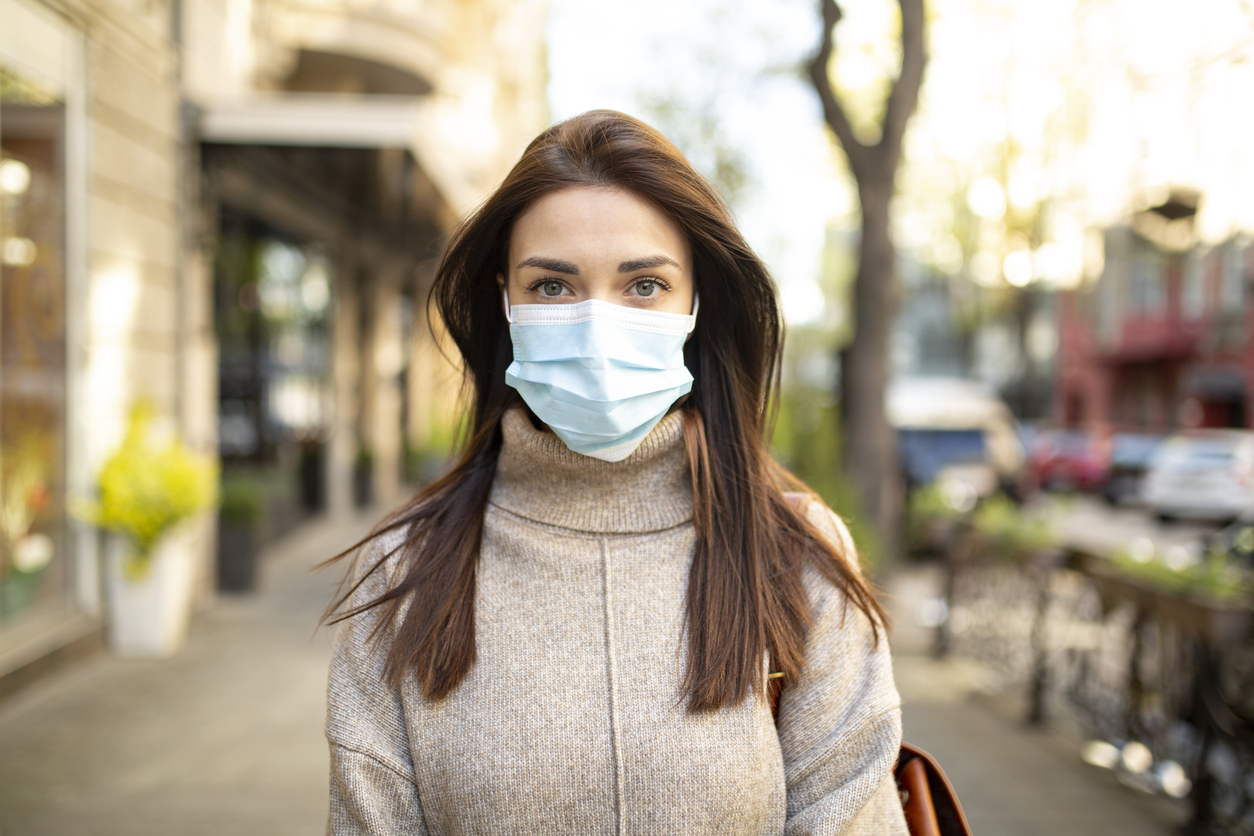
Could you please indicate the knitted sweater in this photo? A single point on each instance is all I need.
(572, 720)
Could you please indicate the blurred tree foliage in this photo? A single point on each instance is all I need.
(693, 122)
(807, 441)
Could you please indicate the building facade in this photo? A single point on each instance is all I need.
(1162, 341)
(231, 209)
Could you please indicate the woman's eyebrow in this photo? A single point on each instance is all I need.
(646, 263)
(554, 264)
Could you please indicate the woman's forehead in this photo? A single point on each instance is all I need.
(595, 223)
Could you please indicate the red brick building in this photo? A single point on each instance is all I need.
(1162, 341)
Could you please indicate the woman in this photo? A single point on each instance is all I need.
(574, 630)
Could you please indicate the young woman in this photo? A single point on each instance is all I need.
(577, 629)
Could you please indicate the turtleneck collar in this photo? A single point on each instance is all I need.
(539, 478)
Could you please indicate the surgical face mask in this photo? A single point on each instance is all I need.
(600, 375)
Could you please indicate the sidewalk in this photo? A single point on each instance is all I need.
(1012, 779)
(226, 738)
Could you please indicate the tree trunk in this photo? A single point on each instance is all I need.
(869, 444)
(869, 448)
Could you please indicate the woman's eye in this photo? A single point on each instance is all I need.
(645, 287)
(552, 288)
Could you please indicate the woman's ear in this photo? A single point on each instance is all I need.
(500, 280)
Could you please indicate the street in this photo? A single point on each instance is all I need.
(1088, 523)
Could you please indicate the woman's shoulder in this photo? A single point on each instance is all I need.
(377, 565)
(830, 525)
(366, 628)
(830, 597)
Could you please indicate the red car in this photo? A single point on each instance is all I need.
(1064, 459)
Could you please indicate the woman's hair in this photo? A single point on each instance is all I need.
(746, 597)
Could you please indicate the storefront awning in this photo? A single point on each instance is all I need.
(313, 119)
(1216, 383)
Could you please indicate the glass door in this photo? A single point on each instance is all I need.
(32, 344)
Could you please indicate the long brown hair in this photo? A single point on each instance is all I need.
(746, 598)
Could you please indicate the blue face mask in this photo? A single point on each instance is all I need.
(600, 375)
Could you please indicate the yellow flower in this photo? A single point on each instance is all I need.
(146, 487)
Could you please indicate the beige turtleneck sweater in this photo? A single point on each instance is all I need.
(572, 720)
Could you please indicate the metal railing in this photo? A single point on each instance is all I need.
(1163, 683)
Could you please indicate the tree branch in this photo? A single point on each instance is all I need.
(833, 111)
(904, 97)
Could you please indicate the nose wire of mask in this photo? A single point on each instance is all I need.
(509, 315)
(599, 375)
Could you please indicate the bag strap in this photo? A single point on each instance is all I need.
(916, 798)
(945, 809)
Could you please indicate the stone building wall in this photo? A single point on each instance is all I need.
(143, 213)
(130, 321)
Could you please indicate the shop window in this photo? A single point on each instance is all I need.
(1232, 277)
(273, 318)
(1193, 289)
(32, 343)
(1148, 282)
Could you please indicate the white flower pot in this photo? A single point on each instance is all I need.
(149, 615)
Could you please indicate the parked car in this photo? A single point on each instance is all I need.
(1129, 459)
(1068, 459)
(957, 431)
(1208, 474)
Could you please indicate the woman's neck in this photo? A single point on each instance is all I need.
(539, 478)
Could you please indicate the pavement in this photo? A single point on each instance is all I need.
(226, 738)
(1011, 778)
(1087, 523)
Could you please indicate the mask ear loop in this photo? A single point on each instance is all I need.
(509, 316)
(696, 306)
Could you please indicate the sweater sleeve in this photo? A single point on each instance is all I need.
(840, 722)
(373, 788)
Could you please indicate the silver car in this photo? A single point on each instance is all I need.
(1207, 474)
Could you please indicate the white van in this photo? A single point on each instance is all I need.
(956, 430)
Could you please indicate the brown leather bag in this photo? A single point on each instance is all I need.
(927, 798)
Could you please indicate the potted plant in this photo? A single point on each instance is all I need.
(1007, 533)
(935, 513)
(312, 488)
(239, 515)
(147, 490)
(363, 478)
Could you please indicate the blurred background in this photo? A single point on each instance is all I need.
(1014, 244)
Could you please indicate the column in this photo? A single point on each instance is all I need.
(346, 364)
(384, 400)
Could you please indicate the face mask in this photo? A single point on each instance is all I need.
(600, 375)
